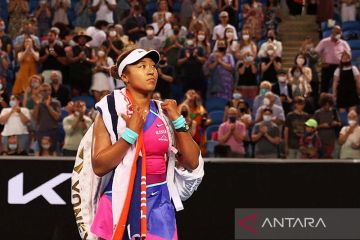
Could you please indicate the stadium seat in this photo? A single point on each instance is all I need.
(210, 130)
(89, 100)
(210, 146)
(351, 25)
(215, 103)
(355, 55)
(349, 33)
(354, 44)
(343, 118)
(217, 116)
(326, 33)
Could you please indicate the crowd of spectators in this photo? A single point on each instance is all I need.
(221, 60)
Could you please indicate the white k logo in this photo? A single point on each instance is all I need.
(16, 190)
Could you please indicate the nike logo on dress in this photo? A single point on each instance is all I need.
(159, 125)
(154, 193)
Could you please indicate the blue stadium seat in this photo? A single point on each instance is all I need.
(210, 130)
(355, 55)
(326, 33)
(217, 116)
(346, 34)
(89, 100)
(354, 44)
(215, 103)
(351, 25)
(343, 118)
(210, 146)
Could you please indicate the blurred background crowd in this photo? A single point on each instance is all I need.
(253, 78)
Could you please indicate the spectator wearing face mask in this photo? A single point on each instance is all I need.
(58, 90)
(265, 87)
(202, 41)
(75, 127)
(330, 50)
(310, 144)
(27, 32)
(12, 148)
(15, 119)
(219, 30)
(165, 79)
(253, 13)
(349, 138)
(232, 133)
(283, 89)
(300, 77)
(278, 48)
(101, 75)
(294, 128)
(245, 77)
(113, 43)
(270, 64)
(328, 120)
(266, 135)
(32, 92)
(246, 45)
(163, 10)
(135, 24)
(45, 147)
(151, 41)
(346, 85)
(231, 43)
(232, 8)
(190, 62)
(278, 116)
(221, 66)
(172, 46)
(46, 115)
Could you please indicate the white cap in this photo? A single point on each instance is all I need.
(135, 56)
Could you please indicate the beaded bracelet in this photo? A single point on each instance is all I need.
(129, 136)
(179, 123)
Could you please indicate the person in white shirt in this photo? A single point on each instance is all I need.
(271, 40)
(15, 120)
(349, 138)
(97, 33)
(219, 29)
(348, 10)
(104, 10)
(150, 41)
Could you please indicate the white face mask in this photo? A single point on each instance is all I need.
(229, 35)
(266, 102)
(267, 118)
(149, 32)
(201, 38)
(300, 61)
(282, 79)
(246, 37)
(189, 42)
(270, 52)
(352, 123)
(101, 53)
(338, 36)
(249, 58)
(12, 147)
(77, 113)
(45, 146)
(112, 33)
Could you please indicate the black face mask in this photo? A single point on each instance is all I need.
(176, 31)
(271, 38)
(222, 49)
(184, 113)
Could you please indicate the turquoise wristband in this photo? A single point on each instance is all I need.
(179, 123)
(129, 136)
